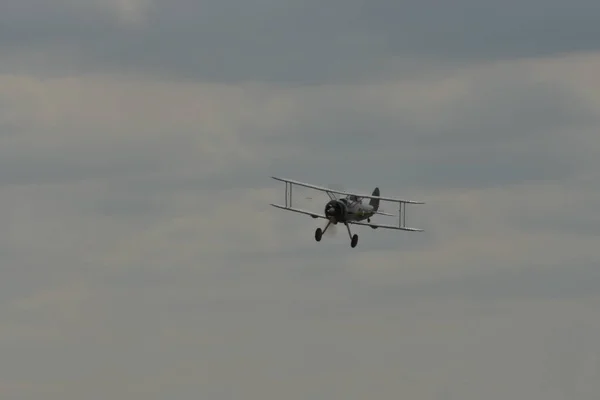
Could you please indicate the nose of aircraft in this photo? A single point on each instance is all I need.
(333, 209)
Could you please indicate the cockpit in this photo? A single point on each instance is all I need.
(351, 199)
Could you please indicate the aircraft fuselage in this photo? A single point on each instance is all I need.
(348, 209)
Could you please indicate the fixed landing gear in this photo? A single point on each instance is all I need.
(353, 238)
(319, 232)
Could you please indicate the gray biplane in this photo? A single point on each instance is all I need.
(349, 209)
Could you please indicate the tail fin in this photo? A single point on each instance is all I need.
(375, 202)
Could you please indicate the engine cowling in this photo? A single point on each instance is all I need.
(335, 210)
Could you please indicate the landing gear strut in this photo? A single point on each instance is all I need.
(353, 238)
(319, 232)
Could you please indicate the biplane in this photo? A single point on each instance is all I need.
(349, 209)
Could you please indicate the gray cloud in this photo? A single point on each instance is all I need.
(505, 128)
(488, 30)
(313, 42)
(140, 258)
(563, 281)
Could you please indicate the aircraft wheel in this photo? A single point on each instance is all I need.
(354, 240)
(318, 234)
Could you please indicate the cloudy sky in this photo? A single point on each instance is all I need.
(140, 258)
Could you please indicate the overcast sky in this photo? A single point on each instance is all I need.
(140, 258)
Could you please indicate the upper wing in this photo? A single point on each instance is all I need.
(299, 210)
(375, 226)
(321, 188)
(368, 196)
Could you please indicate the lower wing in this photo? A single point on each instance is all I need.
(383, 213)
(299, 210)
(375, 226)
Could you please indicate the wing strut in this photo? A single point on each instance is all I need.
(288, 194)
(401, 214)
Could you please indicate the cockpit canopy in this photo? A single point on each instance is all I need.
(353, 199)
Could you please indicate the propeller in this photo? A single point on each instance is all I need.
(332, 229)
